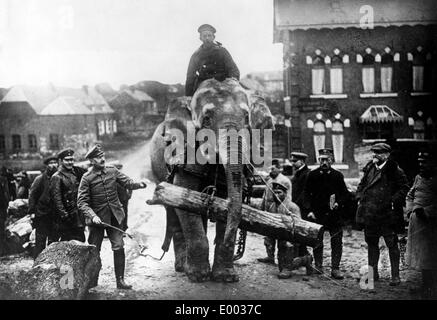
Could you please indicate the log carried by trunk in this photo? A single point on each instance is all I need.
(63, 271)
(265, 223)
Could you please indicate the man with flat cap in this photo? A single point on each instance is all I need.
(325, 195)
(211, 60)
(422, 229)
(381, 197)
(64, 185)
(98, 201)
(41, 207)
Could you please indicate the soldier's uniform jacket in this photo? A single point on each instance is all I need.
(207, 63)
(63, 191)
(287, 207)
(40, 202)
(319, 187)
(298, 185)
(98, 194)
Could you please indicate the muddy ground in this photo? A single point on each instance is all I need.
(157, 279)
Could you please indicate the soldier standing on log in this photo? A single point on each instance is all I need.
(41, 207)
(325, 195)
(211, 60)
(268, 199)
(98, 201)
(381, 197)
(70, 223)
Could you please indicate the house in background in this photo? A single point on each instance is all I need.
(356, 73)
(135, 110)
(36, 121)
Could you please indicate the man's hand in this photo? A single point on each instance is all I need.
(144, 183)
(96, 220)
(335, 207)
(311, 216)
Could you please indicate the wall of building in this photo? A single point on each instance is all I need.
(301, 44)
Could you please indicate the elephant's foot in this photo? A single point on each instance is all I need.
(224, 275)
(198, 274)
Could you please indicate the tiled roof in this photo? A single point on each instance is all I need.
(317, 14)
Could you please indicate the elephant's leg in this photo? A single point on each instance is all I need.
(179, 244)
(197, 248)
(222, 270)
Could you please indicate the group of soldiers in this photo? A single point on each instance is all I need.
(66, 198)
(322, 197)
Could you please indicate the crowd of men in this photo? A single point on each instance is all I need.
(322, 197)
(66, 198)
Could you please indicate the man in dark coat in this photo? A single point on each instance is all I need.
(325, 194)
(381, 197)
(211, 60)
(64, 185)
(41, 207)
(298, 181)
(98, 201)
(4, 203)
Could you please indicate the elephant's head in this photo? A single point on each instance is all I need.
(220, 107)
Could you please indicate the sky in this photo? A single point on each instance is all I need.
(77, 42)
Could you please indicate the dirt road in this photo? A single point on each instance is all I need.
(158, 280)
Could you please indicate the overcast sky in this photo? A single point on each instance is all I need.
(76, 42)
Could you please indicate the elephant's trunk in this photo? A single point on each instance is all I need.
(234, 181)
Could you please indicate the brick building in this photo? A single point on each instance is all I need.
(135, 110)
(35, 121)
(357, 72)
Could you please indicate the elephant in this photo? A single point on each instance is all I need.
(215, 105)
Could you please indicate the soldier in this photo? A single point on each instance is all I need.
(268, 198)
(98, 201)
(124, 196)
(4, 203)
(287, 252)
(381, 197)
(41, 207)
(211, 60)
(298, 181)
(64, 185)
(325, 194)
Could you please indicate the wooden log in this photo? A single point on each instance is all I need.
(63, 271)
(17, 234)
(278, 226)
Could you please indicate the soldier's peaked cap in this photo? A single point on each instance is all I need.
(68, 152)
(94, 152)
(206, 27)
(299, 155)
(381, 147)
(279, 186)
(326, 152)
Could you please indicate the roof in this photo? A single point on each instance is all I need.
(45, 100)
(138, 95)
(378, 114)
(317, 14)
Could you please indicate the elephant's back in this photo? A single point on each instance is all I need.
(157, 148)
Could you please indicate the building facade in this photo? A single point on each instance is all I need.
(37, 121)
(355, 74)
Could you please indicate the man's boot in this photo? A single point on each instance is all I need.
(286, 254)
(270, 249)
(119, 265)
(318, 259)
(395, 257)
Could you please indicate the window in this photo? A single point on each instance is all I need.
(2, 143)
(114, 126)
(318, 74)
(16, 142)
(336, 75)
(319, 137)
(418, 70)
(108, 126)
(338, 140)
(386, 73)
(54, 141)
(32, 142)
(101, 127)
(368, 72)
(419, 130)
